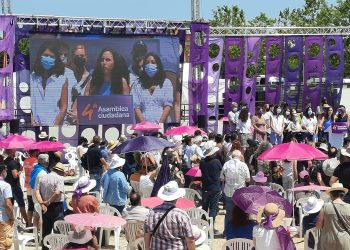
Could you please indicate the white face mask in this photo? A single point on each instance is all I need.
(287, 113)
(278, 111)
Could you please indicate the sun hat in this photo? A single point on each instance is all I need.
(329, 165)
(345, 152)
(312, 205)
(303, 173)
(69, 203)
(199, 235)
(337, 187)
(83, 185)
(43, 135)
(80, 235)
(59, 167)
(112, 144)
(272, 215)
(211, 150)
(171, 191)
(323, 146)
(116, 162)
(260, 177)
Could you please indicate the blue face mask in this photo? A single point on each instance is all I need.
(151, 69)
(47, 62)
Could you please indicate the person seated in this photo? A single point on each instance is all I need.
(82, 201)
(135, 212)
(312, 208)
(81, 239)
(199, 236)
(239, 226)
(260, 180)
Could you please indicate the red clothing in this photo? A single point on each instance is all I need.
(86, 204)
(28, 165)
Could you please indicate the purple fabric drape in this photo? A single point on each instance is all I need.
(163, 176)
(273, 69)
(313, 71)
(334, 72)
(253, 45)
(198, 72)
(214, 69)
(233, 72)
(7, 26)
(293, 72)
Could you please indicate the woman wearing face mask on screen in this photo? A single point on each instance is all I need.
(153, 95)
(49, 87)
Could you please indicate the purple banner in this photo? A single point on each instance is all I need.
(334, 69)
(198, 72)
(293, 69)
(234, 65)
(95, 110)
(7, 33)
(313, 71)
(340, 127)
(253, 45)
(214, 70)
(274, 57)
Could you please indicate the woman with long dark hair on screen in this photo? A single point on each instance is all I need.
(110, 76)
(153, 95)
(49, 87)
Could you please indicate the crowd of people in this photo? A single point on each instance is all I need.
(227, 163)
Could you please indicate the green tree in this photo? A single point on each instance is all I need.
(224, 16)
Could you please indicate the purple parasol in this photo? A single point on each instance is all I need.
(249, 199)
(163, 176)
(143, 144)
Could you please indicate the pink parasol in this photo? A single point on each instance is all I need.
(45, 146)
(182, 203)
(145, 126)
(309, 188)
(95, 220)
(224, 119)
(292, 151)
(183, 130)
(194, 172)
(15, 142)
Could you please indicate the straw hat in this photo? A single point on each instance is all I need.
(329, 165)
(80, 235)
(43, 135)
(260, 177)
(59, 167)
(112, 144)
(337, 187)
(313, 205)
(171, 191)
(199, 235)
(116, 162)
(271, 209)
(345, 152)
(69, 203)
(210, 151)
(84, 184)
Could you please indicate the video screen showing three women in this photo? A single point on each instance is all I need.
(65, 66)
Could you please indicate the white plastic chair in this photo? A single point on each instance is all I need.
(55, 241)
(139, 244)
(315, 234)
(192, 194)
(279, 189)
(204, 225)
(299, 205)
(106, 209)
(198, 213)
(131, 228)
(20, 239)
(135, 185)
(62, 227)
(238, 244)
(38, 209)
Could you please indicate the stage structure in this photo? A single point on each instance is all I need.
(240, 69)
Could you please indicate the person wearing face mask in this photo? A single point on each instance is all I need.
(277, 126)
(287, 119)
(309, 125)
(232, 117)
(110, 76)
(324, 122)
(48, 87)
(294, 127)
(153, 95)
(267, 114)
(259, 125)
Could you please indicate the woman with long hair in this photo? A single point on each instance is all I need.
(244, 125)
(239, 225)
(309, 124)
(277, 125)
(259, 125)
(325, 121)
(153, 95)
(49, 87)
(110, 76)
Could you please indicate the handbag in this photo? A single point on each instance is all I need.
(340, 219)
(161, 219)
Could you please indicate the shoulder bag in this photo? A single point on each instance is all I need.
(161, 220)
(340, 219)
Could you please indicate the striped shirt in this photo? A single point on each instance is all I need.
(49, 184)
(172, 231)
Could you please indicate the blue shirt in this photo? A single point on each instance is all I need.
(245, 232)
(115, 187)
(104, 153)
(106, 89)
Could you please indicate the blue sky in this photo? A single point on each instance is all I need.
(146, 9)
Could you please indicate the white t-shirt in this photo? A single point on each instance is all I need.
(244, 127)
(309, 123)
(234, 172)
(5, 193)
(277, 122)
(266, 239)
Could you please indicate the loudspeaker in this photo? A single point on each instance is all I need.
(14, 126)
(202, 122)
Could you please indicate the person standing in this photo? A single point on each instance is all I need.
(232, 117)
(96, 163)
(6, 211)
(211, 188)
(81, 150)
(277, 126)
(259, 125)
(166, 226)
(14, 170)
(234, 175)
(50, 196)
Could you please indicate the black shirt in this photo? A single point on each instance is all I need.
(12, 164)
(94, 156)
(211, 169)
(342, 172)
